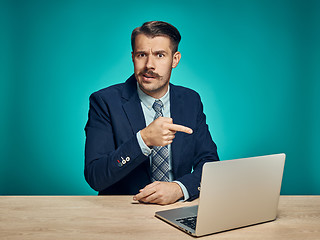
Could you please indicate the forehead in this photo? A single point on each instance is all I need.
(145, 43)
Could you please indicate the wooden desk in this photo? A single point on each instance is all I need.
(116, 217)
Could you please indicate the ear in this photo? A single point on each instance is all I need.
(176, 59)
(132, 56)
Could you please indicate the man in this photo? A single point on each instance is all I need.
(147, 137)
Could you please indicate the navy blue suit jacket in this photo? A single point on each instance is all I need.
(114, 162)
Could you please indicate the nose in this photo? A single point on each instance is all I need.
(150, 62)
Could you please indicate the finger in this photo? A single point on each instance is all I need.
(144, 193)
(140, 196)
(152, 198)
(180, 128)
(170, 132)
(169, 136)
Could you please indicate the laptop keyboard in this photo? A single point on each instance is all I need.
(188, 221)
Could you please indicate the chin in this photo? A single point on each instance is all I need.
(149, 85)
(148, 88)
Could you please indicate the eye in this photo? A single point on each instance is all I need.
(160, 55)
(140, 54)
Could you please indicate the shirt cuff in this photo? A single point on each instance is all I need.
(184, 191)
(144, 148)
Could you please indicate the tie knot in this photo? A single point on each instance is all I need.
(157, 106)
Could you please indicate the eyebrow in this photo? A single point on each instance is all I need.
(138, 52)
(155, 52)
(160, 51)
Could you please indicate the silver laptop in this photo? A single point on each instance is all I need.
(234, 194)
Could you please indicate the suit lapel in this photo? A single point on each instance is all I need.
(134, 114)
(132, 106)
(176, 111)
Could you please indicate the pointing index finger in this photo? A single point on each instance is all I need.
(180, 128)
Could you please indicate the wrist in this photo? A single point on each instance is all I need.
(185, 194)
(179, 192)
(144, 148)
(144, 137)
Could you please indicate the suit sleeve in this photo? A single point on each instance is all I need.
(205, 150)
(106, 163)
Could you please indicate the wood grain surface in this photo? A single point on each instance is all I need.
(118, 217)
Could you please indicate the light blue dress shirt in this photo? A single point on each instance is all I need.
(149, 113)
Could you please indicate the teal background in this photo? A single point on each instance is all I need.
(254, 63)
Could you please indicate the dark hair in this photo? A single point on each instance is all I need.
(157, 28)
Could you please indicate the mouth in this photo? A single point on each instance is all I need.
(149, 76)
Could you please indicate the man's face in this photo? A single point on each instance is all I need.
(153, 61)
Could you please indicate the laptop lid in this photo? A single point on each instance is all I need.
(234, 194)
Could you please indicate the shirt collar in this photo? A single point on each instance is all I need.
(148, 100)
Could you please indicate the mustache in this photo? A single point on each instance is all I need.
(149, 73)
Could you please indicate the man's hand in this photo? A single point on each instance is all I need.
(161, 132)
(160, 193)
